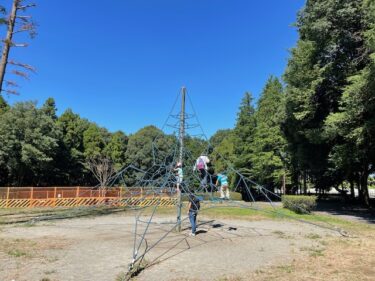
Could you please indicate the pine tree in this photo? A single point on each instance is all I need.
(268, 145)
(244, 134)
(49, 108)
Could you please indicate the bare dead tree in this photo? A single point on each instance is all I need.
(102, 168)
(16, 23)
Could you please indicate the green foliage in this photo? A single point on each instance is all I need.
(330, 50)
(71, 158)
(224, 153)
(219, 136)
(95, 140)
(299, 204)
(147, 147)
(244, 134)
(268, 145)
(39, 148)
(29, 140)
(195, 147)
(49, 108)
(3, 105)
(116, 149)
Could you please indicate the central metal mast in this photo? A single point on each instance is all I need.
(181, 158)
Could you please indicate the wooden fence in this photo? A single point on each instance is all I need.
(32, 197)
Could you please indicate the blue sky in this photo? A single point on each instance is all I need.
(121, 63)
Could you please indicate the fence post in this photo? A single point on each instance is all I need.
(77, 195)
(31, 196)
(7, 202)
(54, 196)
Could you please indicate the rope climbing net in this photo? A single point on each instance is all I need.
(163, 177)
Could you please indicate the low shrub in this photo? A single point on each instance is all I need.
(299, 204)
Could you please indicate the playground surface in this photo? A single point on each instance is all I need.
(100, 248)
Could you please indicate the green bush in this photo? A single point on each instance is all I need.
(299, 203)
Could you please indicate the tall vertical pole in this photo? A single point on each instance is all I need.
(181, 158)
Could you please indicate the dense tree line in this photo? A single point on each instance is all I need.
(330, 94)
(38, 148)
(319, 130)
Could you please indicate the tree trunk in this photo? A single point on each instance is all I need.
(359, 187)
(304, 183)
(8, 43)
(364, 189)
(352, 191)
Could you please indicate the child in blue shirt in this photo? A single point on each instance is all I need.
(224, 186)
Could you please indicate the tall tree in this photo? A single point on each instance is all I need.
(326, 54)
(49, 108)
(353, 126)
(16, 23)
(268, 145)
(244, 134)
(71, 159)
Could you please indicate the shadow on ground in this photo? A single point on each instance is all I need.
(347, 210)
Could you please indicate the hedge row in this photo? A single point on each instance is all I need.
(299, 203)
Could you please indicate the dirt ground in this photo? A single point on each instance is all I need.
(101, 248)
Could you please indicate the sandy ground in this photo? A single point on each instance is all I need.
(101, 248)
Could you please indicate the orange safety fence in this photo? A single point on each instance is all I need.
(31, 197)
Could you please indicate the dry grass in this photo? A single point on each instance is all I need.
(336, 259)
(17, 248)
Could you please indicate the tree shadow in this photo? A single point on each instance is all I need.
(347, 210)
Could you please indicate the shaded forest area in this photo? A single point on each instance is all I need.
(312, 128)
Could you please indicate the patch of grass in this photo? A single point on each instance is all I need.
(281, 234)
(313, 236)
(134, 272)
(317, 253)
(230, 279)
(17, 253)
(314, 251)
(286, 268)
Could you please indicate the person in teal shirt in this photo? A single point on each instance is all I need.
(224, 186)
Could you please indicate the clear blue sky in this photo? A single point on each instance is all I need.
(121, 63)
